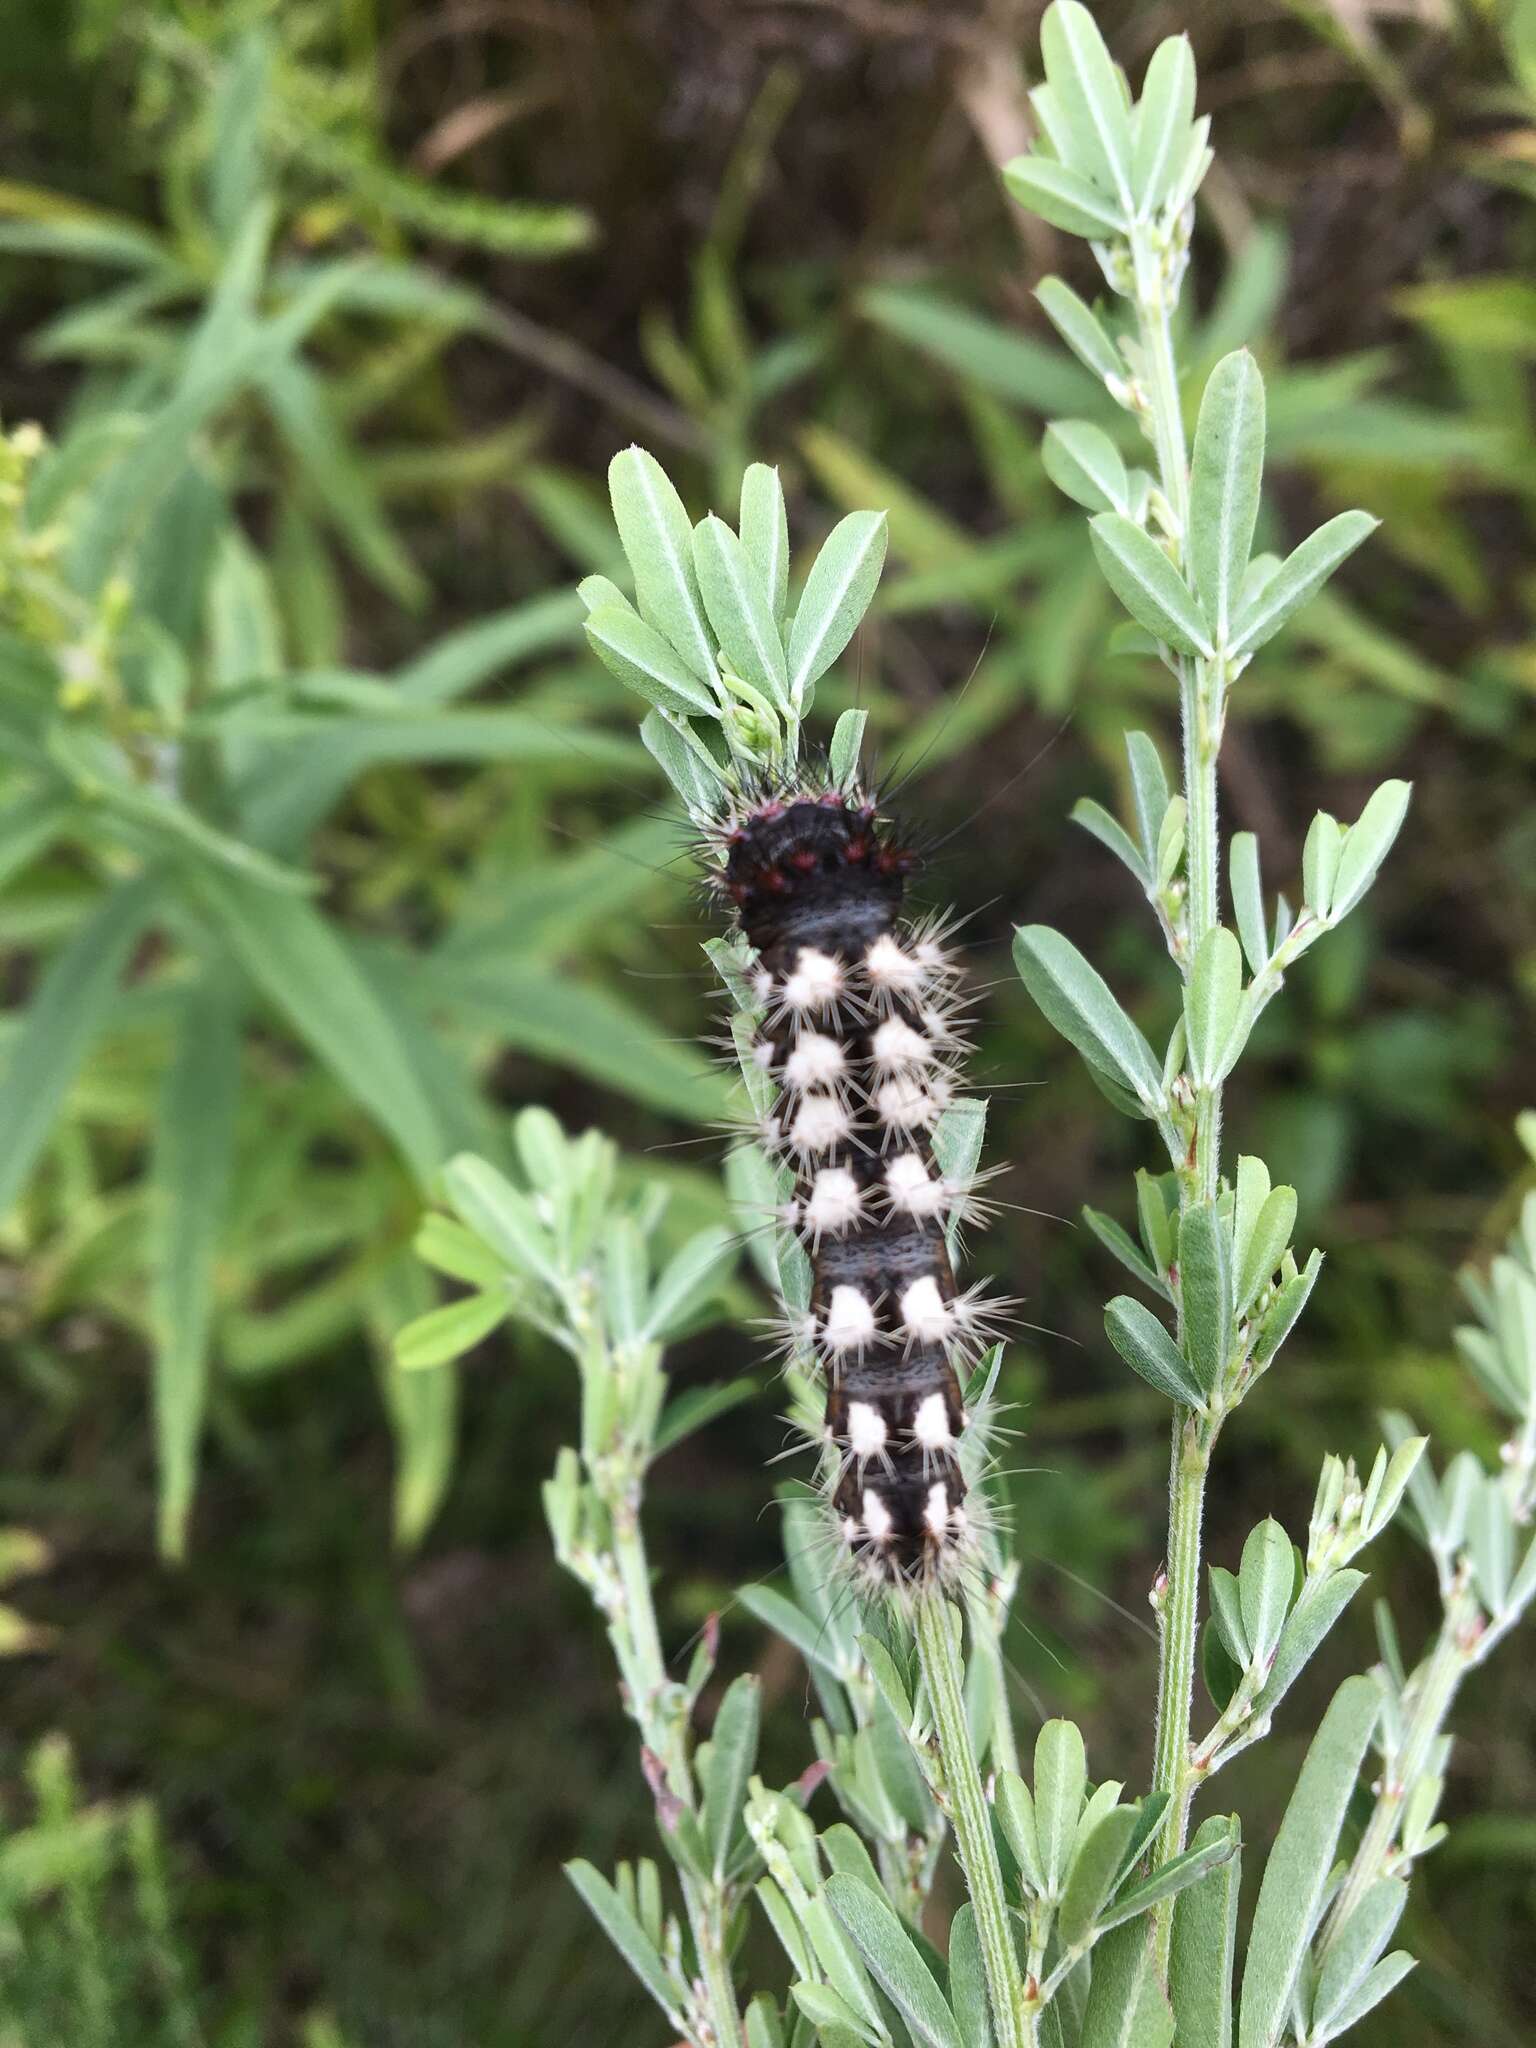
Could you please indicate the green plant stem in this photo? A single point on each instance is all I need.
(664, 1732)
(1435, 1685)
(940, 1658)
(1199, 1177)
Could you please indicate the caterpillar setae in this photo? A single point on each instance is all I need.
(854, 1024)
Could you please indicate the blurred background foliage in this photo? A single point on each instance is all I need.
(324, 843)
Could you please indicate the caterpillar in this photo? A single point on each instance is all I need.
(857, 1027)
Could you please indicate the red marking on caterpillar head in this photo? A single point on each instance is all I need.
(806, 860)
(893, 860)
(855, 851)
(832, 799)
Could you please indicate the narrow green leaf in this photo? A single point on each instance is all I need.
(1124, 1248)
(830, 2013)
(1248, 897)
(1063, 197)
(646, 663)
(1265, 1581)
(1016, 1813)
(764, 527)
(691, 773)
(190, 1174)
(623, 1929)
(1147, 583)
(691, 1410)
(1355, 1948)
(1226, 470)
(1095, 1868)
(1291, 1893)
(1111, 833)
(814, 1642)
(1252, 1192)
(1268, 1241)
(1205, 1289)
(843, 753)
(1077, 1001)
(1384, 1979)
(740, 610)
(894, 1961)
(309, 971)
(838, 592)
(732, 1760)
(1082, 461)
(658, 540)
(1205, 1942)
(1206, 1853)
(1088, 95)
(1227, 1614)
(1127, 2006)
(446, 1333)
(688, 1279)
(1148, 1350)
(1149, 791)
(764, 2029)
(1212, 1001)
(70, 1007)
(1369, 842)
(1161, 123)
(1300, 576)
(1061, 1778)
(968, 1981)
(1320, 862)
(502, 1215)
(1080, 329)
(1288, 1305)
(1154, 1220)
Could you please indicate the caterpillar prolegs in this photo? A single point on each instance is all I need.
(856, 1026)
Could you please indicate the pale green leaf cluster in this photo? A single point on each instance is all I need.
(711, 635)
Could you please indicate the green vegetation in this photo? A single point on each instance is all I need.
(326, 845)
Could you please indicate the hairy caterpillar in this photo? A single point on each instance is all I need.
(857, 1029)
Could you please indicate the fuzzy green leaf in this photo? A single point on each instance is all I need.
(732, 1759)
(446, 1333)
(1063, 197)
(1291, 1893)
(1300, 576)
(1212, 1003)
(1267, 1242)
(1127, 2006)
(646, 663)
(1205, 1942)
(1205, 1289)
(765, 532)
(1082, 461)
(1248, 897)
(1061, 1778)
(838, 592)
(1096, 126)
(1074, 998)
(1080, 328)
(1147, 584)
(740, 610)
(1149, 1351)
(1226, 469)
(843, 754)
(1160, 125)
(1095, 1867)
(658, 539)
(623, 1929)
(1265, 1581)
(1369, 842)
(893, 1960)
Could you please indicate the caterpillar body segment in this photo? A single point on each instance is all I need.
(857, 1034)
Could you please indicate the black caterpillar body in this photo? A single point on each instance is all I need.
(857, 1028)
